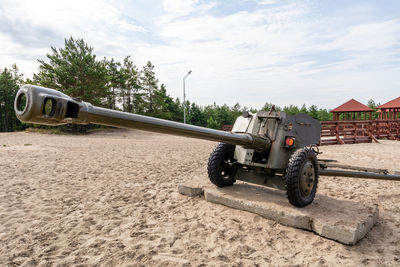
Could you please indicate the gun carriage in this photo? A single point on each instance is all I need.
(268, 148)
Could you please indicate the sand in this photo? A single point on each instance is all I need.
(110, 198)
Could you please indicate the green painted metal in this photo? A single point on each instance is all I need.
(261, 155)
(307, 178)
(359, 174)
(69, 110)
(260, 178)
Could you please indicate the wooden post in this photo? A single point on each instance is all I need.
(340, 141)
(371, 133)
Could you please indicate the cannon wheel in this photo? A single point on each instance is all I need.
(221, 165)
(302, 177)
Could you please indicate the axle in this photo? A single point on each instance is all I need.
(359, 174)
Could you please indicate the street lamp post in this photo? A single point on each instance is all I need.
(184, 97)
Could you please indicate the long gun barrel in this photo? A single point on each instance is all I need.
(50, 107)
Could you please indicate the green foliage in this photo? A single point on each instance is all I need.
(10, 80)
(149, 84)
(291, 110)
(114, 78)
(373, 105)
(75, 71)
(303, 109)
(196, 115)
(176, 109)
(213, 124)
(129, 83)
(313, 111)
(164, 105)
(269, 106)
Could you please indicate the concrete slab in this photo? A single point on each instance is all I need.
(344, 221)
(190, 190)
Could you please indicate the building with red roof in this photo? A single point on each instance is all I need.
(352, 110)
(390, 110)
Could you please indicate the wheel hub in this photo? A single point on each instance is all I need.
(307, 179)
(226, 166)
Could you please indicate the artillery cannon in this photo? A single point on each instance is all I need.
(268, 148)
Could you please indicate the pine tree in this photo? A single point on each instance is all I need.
(75, 71)
(130, 87)
(114, 81)
(149, 85)
(10, 81)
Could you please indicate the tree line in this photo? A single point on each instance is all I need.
(76, 71)
(10, 81)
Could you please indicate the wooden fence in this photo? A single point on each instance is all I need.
(352, 132)
(226, 127)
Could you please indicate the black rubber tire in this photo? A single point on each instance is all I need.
(217, 165)
(293, 174)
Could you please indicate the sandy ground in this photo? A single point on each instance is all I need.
(111, 198)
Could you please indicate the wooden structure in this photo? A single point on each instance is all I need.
(352, 132)
(226, 127)
(352, 110)
(390, 110)
(347, 132)
(352, 123)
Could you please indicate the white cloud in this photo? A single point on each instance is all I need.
(263, 56)
(282, 53)
(29, 28)
(179, 7)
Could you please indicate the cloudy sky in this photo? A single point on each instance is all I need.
(252, 52)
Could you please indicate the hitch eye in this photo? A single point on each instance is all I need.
(289, 142)
(49, 107)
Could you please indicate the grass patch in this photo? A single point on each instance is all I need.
(67, 130)
(45, 131)
(27, 144)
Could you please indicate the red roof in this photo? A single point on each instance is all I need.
(352, 105)
(395, 103)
